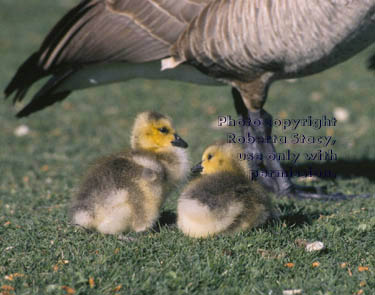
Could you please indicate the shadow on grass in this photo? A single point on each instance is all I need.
(167, 218)
(343, 168)
(292, 217)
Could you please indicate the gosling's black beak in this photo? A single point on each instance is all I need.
(178, 141)
(197, 168)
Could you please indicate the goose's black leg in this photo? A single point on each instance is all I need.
(279, 185)
(274, 183)
(252, 148)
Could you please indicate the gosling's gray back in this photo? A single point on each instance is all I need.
(219, 190)
(108, 174)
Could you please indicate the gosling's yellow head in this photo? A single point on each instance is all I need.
(222, 158)
(154, 132)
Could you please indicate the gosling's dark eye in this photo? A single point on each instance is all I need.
(209, 157)
(164, 130)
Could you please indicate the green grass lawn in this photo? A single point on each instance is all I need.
(41, 253)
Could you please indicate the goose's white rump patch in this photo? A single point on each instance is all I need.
(169, 63)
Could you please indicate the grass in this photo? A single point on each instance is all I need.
(39, 172)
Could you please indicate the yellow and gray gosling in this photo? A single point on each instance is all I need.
(223, 199)
(124, 192)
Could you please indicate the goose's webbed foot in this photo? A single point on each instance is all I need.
(303, 193)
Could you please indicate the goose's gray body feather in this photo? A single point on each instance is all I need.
(290, 38)
(234, 41)
(103, 41)
(117, 30)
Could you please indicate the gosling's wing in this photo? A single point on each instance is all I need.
(101, 31)
(150, 175)
(217, 191)
(150, 170)
(251, 191)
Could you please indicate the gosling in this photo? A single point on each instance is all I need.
(124, 192)
(222, 199)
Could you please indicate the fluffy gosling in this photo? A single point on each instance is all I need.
(124, 192)
(222, 199)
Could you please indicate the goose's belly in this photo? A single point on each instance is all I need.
(309, 40)
(318, 57)
(244, 39)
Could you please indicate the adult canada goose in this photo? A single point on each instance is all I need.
(247, 44)
(222, 199)
(123, 192)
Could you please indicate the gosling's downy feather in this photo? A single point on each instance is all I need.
(222, 199)
(124, 192)
(113, 195)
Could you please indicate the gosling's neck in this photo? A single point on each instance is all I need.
(176, 163)
(237, 168)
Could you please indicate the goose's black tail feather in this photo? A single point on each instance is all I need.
(371, 63)
(37, 105)
(28, 73)
(47, 95)
(34, 68)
